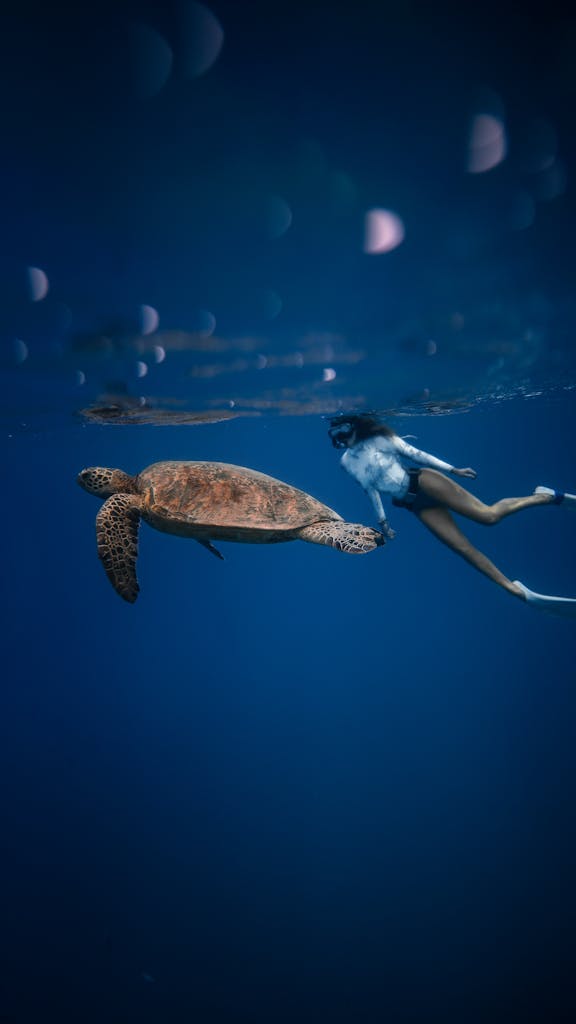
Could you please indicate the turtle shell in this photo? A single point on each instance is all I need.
(219, 495)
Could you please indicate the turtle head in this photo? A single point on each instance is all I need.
(103, 482)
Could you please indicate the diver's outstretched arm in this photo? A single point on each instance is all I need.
(376, 502)
(378, 507)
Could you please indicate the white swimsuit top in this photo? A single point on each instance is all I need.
(378, 464)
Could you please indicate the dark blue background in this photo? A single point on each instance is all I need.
(295, 785)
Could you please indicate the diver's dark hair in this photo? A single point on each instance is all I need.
(366, 424)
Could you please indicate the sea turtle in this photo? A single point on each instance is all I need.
(208, 501)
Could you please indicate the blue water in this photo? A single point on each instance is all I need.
(294, 785)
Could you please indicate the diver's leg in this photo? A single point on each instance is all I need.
(456, 498)
(440, 523)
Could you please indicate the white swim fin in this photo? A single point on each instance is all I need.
(558, 497)
(565, 606)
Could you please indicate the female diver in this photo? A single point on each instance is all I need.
(375, 456)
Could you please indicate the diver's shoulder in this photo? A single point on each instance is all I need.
(376, 443)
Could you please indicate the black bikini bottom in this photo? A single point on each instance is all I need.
(414, 499)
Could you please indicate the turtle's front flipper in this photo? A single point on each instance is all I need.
(117, 535)
(353, 538)
(210, 547)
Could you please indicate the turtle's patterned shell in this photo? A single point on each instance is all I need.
(215, 494)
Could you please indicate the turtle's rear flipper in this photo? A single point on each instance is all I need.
(353, 538)
(117, 535)
(210, 547)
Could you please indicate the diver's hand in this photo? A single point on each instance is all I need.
(388, 532)
(471, 473)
